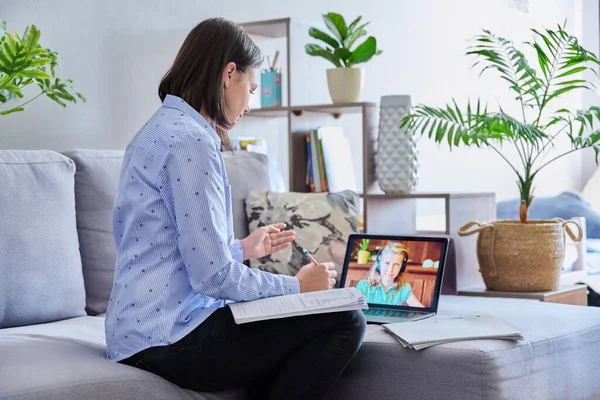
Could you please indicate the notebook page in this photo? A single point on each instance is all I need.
(330, 298)
(297, 303)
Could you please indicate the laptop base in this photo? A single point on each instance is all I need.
(388, 319)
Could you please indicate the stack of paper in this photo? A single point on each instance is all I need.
(437, 330)
(325, 301)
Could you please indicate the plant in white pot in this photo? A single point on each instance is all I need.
(341, 48)
(521, 255)
(23, 61)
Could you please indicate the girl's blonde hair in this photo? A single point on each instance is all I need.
(374, 276)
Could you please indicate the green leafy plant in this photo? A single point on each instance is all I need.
(339, 45)
(364, 246)
(23, 61)
(560, 60)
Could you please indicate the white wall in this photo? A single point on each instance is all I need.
(117, 50)
(589, 13)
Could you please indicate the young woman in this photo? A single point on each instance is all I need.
(178, 262)
(385, 284)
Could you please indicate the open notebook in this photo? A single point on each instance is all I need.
(298, 304)
(429, 332)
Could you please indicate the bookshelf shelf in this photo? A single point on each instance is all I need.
(269, 112)
(416, 195)
(336, 110)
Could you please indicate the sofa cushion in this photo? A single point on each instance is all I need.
(558, 359)
(322, 222)
(246, 171)
(96, 182)
(40, 264)
(66, 360)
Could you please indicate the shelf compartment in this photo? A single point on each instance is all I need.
(274, 28)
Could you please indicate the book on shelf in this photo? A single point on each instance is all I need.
(325, 301)
(436, 330)
(329, 161)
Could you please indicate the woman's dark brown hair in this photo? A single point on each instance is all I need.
(196, 75)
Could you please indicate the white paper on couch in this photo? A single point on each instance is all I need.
(437, 330)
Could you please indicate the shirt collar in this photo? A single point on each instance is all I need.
(380, 287)
(178, 103)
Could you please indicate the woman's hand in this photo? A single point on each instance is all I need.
(267, 240)
(315, 277)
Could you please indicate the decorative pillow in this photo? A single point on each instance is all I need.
(40, 264)
(322, 222)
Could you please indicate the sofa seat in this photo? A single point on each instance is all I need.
(557, 360)
(66, 360)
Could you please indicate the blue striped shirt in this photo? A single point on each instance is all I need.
(177, 259)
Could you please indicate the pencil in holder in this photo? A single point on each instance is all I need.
(270, 92)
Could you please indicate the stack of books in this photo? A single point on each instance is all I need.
(429, 332)
(329, 161)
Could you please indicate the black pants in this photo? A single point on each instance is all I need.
(290, 358)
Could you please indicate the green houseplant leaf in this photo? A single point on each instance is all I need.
(560, 60)
(316, 50)
(336, 24)
(23, 61)
(340, 46)
(364, 52)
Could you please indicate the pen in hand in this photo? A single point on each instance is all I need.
(330, 267)
(311, 258)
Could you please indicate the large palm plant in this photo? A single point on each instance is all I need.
(561, 61)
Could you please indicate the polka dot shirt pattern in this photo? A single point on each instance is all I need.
(177, 259)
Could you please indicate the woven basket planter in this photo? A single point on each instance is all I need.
(519, 256)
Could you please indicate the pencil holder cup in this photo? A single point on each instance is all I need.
(270, 89)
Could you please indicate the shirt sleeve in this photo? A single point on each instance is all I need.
(405, 293)
(192, 172)
(236, 250)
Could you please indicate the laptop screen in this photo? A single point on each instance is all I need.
(394, 271)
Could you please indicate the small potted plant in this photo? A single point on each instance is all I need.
(521, 255)
(363, 253)
(23, 61)
(341, 48)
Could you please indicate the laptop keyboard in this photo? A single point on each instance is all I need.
(382, 312)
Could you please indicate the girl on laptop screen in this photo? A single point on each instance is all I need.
(385, 283)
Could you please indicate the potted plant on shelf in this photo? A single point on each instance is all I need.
(340, 47)
(521, 255)
(363, 253)
(23, 61)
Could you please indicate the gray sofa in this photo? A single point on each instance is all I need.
(56, 261)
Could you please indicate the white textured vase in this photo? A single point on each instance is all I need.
(345, 84)
(396, 158)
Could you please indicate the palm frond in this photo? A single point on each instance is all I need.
(455, 125)
(585, 136)
(501, 55)
(560, 58)
(504, 126)
(469, 126)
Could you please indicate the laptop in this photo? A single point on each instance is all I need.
(400, 276)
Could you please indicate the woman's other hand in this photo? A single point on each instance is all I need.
(267, 240)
